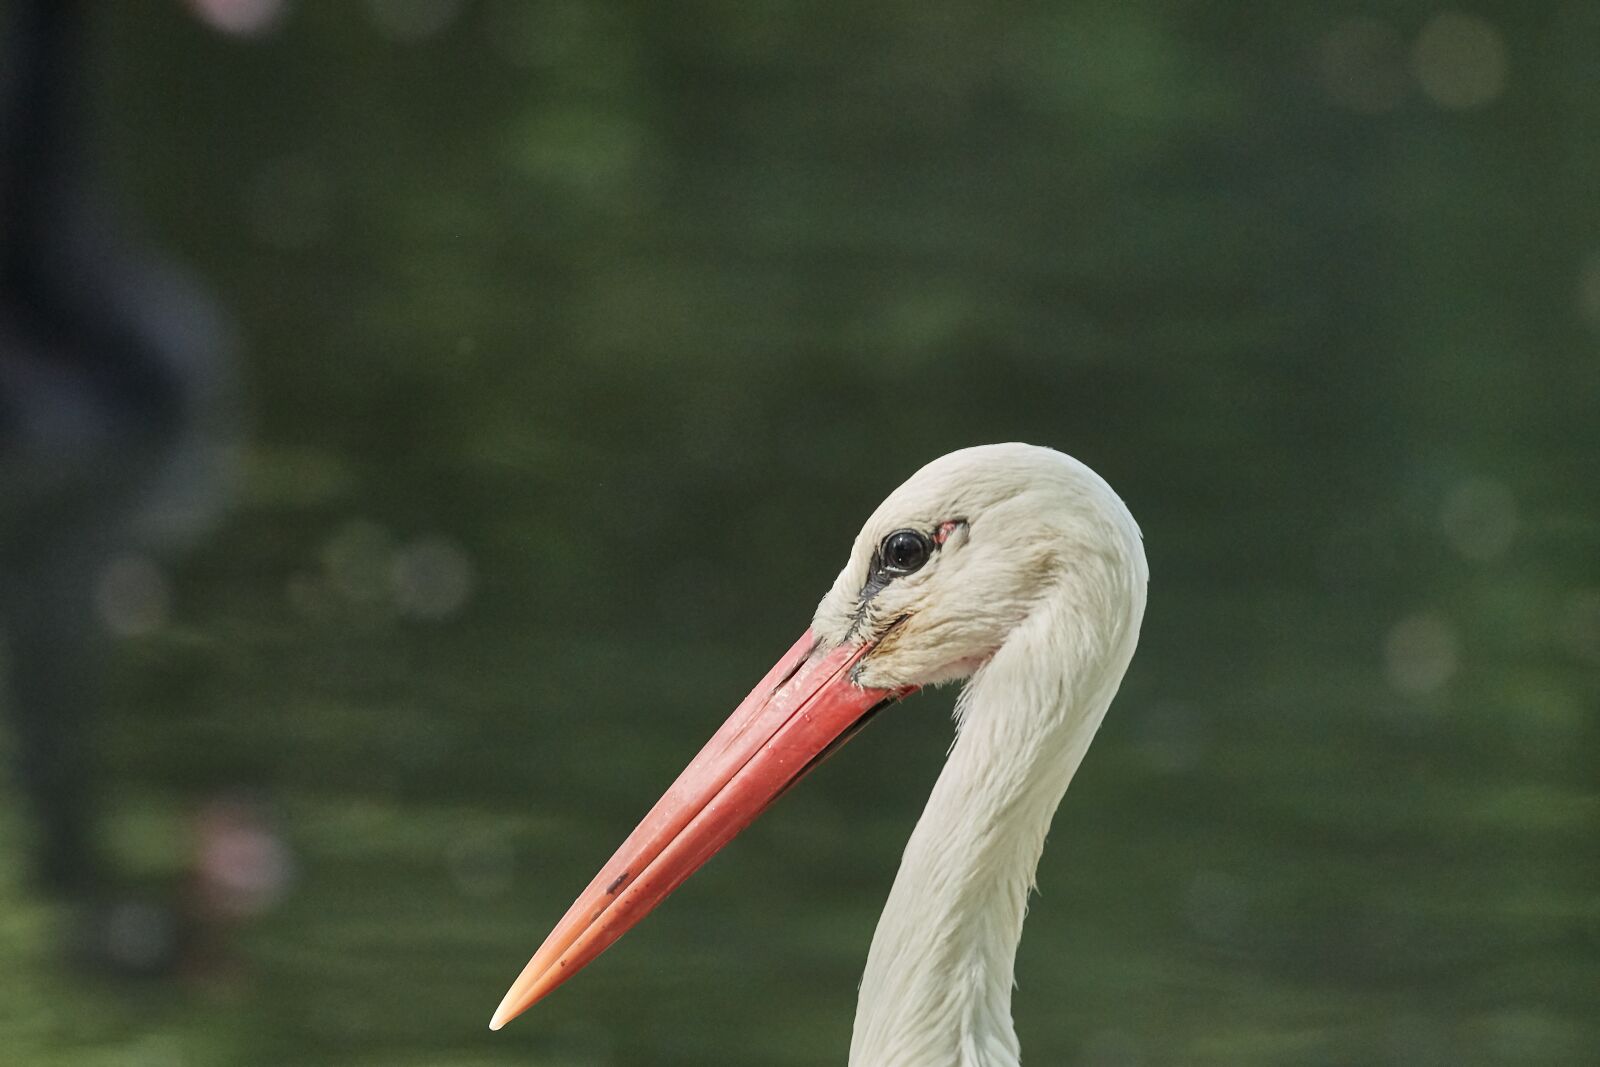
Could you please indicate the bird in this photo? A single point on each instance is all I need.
(1012, 566)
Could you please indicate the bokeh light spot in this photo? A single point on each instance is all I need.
(132, 596)
(243, 867)
(432, 578)
(1460, 61)
(241, 18)
(1421, 654)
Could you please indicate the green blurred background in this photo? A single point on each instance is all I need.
(579, 338)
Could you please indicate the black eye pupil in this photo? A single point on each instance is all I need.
(904, 551)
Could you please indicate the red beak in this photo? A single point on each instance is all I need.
(805, 706)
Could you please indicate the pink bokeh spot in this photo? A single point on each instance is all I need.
(241, 18)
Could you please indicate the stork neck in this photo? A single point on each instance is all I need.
(941, 968)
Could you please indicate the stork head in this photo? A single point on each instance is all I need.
(961, 554)
(941, 575)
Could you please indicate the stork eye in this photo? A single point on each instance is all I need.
(905, 551)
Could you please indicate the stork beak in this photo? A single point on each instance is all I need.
(805, 706)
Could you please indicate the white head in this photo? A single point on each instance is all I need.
(958, 557)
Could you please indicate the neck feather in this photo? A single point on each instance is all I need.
(937, 987)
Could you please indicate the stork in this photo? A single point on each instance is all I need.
(1012, 565)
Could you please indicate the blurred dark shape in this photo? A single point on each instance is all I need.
(112, 366)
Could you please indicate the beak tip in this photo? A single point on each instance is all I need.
(531, 986)
(504, 1014)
